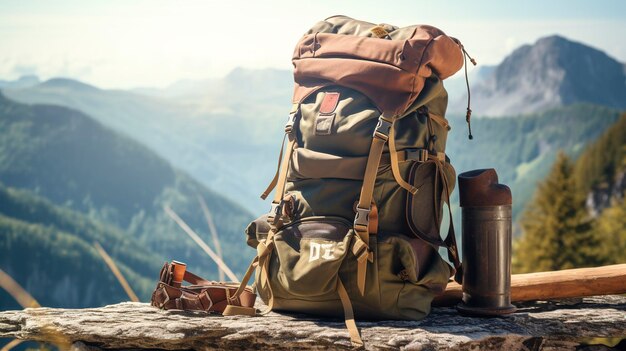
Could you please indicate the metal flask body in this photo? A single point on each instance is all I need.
(486, 247)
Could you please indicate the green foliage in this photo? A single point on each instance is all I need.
(556, 232)
(60, 269)
(601, 161)
(48, 250)
(26, 207)
(72, 160)
(522, 149)
(598, 170)
(610, 228)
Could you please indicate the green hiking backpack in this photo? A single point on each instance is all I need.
(353, 229)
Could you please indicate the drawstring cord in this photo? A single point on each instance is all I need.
(468, 115)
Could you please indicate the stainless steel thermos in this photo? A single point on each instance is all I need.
(486, 247)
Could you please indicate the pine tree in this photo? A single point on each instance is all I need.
(610, 227)
(556, 232)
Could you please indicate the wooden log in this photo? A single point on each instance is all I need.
(568, 283)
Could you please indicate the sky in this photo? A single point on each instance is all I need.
(131, 43)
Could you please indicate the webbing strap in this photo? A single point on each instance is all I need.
(282, 177)
(362, 224)
(450, 240)
(262, 261)
(272, 184)
(276, 181)
(395, 168)
(232, 310)
(348, 313)
(245, 279)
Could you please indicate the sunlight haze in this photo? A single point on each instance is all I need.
(125, 44)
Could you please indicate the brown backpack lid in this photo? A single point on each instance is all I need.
(480, 187)
(391, 71)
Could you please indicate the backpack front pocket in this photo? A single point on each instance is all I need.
(307, 257)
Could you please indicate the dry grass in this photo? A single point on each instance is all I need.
(11, 344)
(213, 231)
(120, 278)
(16, 291)
(220, 263)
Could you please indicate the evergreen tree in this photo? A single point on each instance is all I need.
(610, 227)
(556, 231)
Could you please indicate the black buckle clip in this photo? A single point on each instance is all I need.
(362, 216)
(382, 129)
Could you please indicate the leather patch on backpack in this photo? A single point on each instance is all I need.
(324, 124)
(329, 103)
(324, 121)
(380, 32)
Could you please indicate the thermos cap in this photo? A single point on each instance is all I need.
(480, 187)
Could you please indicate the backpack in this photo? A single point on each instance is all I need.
(354, 226)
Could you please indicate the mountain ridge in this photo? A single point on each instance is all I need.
(552, 72)
(72, 160)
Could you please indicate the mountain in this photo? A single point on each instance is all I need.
(552, 72)
(48, 250)
(20, 83)
(73, 161)
(225, 133)
(456, 87)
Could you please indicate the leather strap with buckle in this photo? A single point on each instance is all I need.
(201, 295)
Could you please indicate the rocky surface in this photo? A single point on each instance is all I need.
(542, 325)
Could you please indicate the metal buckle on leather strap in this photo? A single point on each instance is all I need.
(167, 297)
(205, 294)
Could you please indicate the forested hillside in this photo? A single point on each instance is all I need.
(578, 214)
(74, 162)
(225, 133)
(600, 173)
(48, 249)
(523, 148)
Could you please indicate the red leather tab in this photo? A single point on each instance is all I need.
(329, 104)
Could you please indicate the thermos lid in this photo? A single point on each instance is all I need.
(480, 187)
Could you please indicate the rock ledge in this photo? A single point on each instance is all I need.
(541, 325)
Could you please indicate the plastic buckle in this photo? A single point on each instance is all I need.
(382, 129)
(290, 122)
(362, 216)
(421, 155)
(275, 212)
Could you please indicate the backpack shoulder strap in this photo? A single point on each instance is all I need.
(362, 225)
